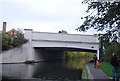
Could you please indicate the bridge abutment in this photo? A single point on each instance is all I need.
(27, 53)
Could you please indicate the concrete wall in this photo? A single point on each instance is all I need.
(28, 53)
(16, 55)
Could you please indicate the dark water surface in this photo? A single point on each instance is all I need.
(67, 69)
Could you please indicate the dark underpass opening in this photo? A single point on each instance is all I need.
(68, 49)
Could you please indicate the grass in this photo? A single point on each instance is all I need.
(84, 72)
(107, 68)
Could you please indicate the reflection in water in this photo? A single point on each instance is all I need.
(55, 70)
(68, 69)
(76, 63)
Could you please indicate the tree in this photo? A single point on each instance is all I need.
(107, 17)
(19, 38)
(11, 41)
(7, 41)
(113, 47)
(63, 31)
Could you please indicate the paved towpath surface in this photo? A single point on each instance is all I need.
(95, 73)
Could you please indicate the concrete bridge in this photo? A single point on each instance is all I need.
(50, 46)
(59, 42)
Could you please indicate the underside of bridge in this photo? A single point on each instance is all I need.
(54, 53)
(67, 49)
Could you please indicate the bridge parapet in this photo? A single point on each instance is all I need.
(44, 39)
(65, 37)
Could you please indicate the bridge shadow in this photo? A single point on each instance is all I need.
(66, 49)
(55, 53)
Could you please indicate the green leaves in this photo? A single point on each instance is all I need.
(11, 41)
(63, 31)
(113, 47)
(7, 41)
(107, 17)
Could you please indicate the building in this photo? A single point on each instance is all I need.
(10, 32)
(4, 27)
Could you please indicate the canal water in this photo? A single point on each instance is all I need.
(67, 69)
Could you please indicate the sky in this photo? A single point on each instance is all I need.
(44, 15)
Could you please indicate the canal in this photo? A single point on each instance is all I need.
(70, 69)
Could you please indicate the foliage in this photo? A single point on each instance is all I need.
(7, 41)
(74, 54)
(107, 17)
(113, 47)
(69, 54)
(18, 40)
(104, 43)
(63, 31)
(11, 41)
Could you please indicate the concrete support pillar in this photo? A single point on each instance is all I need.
(28, 35)
(98, 54)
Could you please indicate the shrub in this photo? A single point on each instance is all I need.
(113, 47)
(11, 41)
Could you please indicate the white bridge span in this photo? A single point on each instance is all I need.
(60, 41)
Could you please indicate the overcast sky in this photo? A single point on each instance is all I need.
(43, 15)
